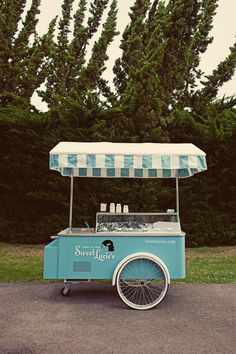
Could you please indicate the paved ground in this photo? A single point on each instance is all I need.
(34, 318)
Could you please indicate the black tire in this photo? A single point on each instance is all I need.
(65, 291)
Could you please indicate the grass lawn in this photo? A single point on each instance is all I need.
(21, 262)
(203, 265)
(211, 265)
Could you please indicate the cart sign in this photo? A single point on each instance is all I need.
(101, 253)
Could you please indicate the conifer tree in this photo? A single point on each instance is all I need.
(220, 75)
(96, 65)
(22, 59)
(70, 76)
(199, 44)
(60, 57)
(132, 45)
(170, 38)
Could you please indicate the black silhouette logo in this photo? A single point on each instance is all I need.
(109, 245)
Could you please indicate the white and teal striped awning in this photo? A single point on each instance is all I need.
(125, 160)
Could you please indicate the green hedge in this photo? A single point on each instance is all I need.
(35, 201)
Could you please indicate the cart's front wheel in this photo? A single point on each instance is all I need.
(142, 282)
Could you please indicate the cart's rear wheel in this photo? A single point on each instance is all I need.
(142, 282)
(65, 291)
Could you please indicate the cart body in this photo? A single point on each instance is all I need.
(79, 256)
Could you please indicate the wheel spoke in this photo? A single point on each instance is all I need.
(151, 296)
(154, 291)
(134, 293)
(130, 291)
(142, 283)
(145, 300)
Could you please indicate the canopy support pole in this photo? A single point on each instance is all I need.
(177, 196)
(71, 201)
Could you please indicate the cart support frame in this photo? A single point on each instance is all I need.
(72, 193)
(71, 201)
(177, 196)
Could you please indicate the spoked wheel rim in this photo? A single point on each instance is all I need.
(142, 283)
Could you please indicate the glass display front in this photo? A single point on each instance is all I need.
(133, 222)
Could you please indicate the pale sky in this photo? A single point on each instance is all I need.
(224, 32)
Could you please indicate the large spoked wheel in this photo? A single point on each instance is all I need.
(142, 282)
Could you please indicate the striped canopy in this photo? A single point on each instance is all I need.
(127, 160)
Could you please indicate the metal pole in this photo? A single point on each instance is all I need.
(177, 196)
(71, 201)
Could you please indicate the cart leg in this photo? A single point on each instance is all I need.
(65, 291)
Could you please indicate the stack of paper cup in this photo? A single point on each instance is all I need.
(112, 208)
(118, 208)
(125, 209)
(103, 207)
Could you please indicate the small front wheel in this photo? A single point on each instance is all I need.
(142, 282)
(65, 291)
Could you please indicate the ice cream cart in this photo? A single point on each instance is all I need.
(139, 252)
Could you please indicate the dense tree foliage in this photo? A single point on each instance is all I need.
(160, 95)
(162, 73)
(70, 76)
(23, 54)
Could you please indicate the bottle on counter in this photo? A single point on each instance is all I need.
(118, 208)
(112, 208)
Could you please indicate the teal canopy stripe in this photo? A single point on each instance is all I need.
(124, 160)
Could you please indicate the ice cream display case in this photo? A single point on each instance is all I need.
(158, 223)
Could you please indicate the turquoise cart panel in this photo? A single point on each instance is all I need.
(50, 269)
(96, 257)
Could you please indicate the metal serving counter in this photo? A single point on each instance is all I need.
(130, 224)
